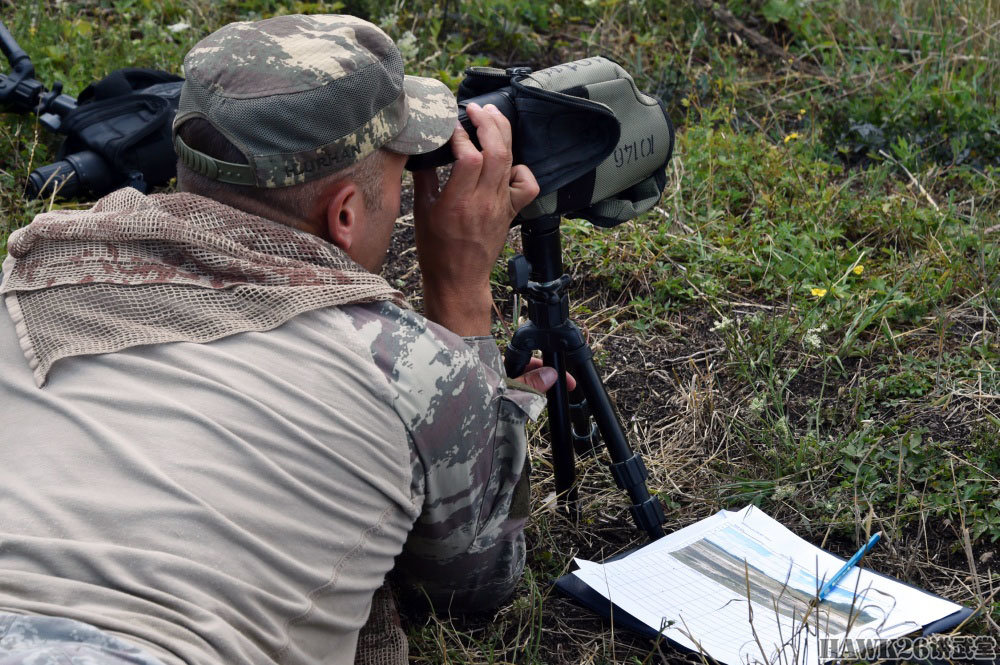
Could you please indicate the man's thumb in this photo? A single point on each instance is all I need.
(540, 379)
(425, 185)
(523, 187)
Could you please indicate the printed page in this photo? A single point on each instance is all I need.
(695, 583)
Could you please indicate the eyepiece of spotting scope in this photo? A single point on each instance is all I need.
(501, 98)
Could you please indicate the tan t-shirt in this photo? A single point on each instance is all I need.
(239, 501)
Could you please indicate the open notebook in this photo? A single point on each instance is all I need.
(737, 585)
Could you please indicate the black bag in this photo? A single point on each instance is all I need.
(118, 135)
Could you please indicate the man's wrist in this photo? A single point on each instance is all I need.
(466, 312)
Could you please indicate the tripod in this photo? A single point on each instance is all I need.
(538, 276)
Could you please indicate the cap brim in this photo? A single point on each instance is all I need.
(433, 115)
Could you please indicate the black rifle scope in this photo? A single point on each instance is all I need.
(80, 173)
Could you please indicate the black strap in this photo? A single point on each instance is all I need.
(124, 81)
(114, 84)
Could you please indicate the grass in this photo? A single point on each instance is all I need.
(808, 320)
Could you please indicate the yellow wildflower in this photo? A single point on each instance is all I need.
(791, 137)
(802, 111)
(819, 293)
(857, 270)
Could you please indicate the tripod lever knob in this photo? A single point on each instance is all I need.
(550, 293)
(519, 272)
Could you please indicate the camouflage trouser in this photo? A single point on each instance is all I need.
(40, 640)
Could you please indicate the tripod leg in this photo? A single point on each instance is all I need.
(561, 436)
(560, 428)
(627, 467)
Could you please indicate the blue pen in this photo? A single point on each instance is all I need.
(853, 561)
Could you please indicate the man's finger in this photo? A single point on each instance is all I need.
(425, 185)
(468, 160)
(523, 187)
(493, 132)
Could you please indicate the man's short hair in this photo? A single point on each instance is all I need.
(296, 200)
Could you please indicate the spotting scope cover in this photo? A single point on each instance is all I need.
(596, 144)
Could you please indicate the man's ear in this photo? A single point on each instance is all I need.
(343, 214)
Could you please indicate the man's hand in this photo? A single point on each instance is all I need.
(461, 229)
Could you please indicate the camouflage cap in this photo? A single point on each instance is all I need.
(305, 96)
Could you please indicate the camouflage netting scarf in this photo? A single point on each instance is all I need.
(138, 269)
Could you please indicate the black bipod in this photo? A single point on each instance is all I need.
(538, 276)
(21, 92)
